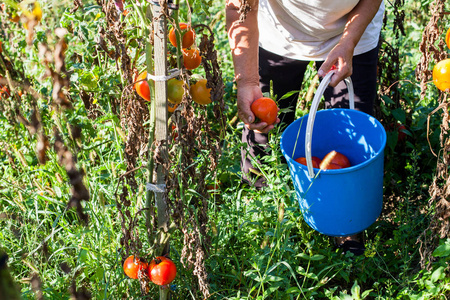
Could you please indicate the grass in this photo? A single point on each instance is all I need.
(260, 247)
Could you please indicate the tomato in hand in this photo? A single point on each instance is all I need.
(191, 58)
(187, 36)
(162, 270)
(131, 266)
(441, 75)
(141, 86)
(175, 90)
(334, 157)
(265, 109)
(200, 93)
(315, 161)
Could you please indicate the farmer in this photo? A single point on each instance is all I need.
(277, 40)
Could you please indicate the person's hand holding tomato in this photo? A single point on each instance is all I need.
(246, 94)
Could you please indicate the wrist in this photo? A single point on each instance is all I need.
(246, 81)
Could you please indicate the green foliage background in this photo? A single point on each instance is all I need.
(260, 246)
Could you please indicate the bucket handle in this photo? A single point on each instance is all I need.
(312, 114)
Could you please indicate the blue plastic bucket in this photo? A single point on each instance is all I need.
(345, 201)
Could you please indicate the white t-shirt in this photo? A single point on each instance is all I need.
(309, 29)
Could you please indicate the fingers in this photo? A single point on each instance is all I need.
(340, 59)
(341, 73)
(262, 127)
(245, 97)
(246, 115)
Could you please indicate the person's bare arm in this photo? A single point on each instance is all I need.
(341, 55)
(243, 37)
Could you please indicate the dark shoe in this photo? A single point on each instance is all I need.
(355, 247)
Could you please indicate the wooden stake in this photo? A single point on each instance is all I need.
(160, 59)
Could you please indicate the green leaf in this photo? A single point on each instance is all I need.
(343, 296)
(315, 257)
(356, 291)
(438, 274)
(442, 250)
(287, 95)
(387, 100)
(273, 278)
(293, 289)
(399, 114)
(366, 293)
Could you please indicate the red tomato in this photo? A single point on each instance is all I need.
(175, 90)
(335, 158)
(401, 132)
(162, 270)
(265, 109)
(191, 58)
(302, 160)
(131, 266)
(4, 91)
(174, 131)
(316, 159)
(331, 166)
(187, 36)
(200, 93)
(142, 87)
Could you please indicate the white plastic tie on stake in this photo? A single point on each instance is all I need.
(172, 74)
(156, 188)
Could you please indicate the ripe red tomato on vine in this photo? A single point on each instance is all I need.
(162, 270)
(187, 36)
(191, 58)
(132, 265)
(141, 86)
(265, 109)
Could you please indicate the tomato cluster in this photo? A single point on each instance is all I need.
(191, 55)
(441, 71)
(333, 160)
(160, 270)
(199, 91)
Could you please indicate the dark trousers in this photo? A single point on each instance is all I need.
(287, 75)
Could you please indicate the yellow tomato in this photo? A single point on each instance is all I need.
(441, 75)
